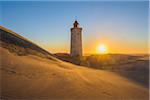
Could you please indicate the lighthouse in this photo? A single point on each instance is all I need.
(76, 40)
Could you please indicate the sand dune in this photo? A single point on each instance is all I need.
(31, 73)
(133, 67)
(33, 77)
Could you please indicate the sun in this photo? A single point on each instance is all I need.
(102, 48)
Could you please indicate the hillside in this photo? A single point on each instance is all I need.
(35, 74)
(20, 45)
(133, 67)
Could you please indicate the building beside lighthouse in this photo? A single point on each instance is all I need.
(76, 40)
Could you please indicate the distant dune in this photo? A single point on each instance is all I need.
(29, 72)
(134, 67)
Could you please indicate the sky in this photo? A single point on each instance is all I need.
(120, 25)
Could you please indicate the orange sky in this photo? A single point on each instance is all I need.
(91, 47)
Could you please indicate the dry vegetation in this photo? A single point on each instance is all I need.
(134, 67)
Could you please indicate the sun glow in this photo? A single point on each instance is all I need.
(102, 48)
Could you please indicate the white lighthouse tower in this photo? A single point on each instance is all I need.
(76, 40)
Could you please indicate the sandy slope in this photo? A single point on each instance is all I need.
(32, 77)
(133, 67)
(30, 72)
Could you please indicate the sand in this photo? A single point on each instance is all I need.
(28, 72)
(33, 77)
